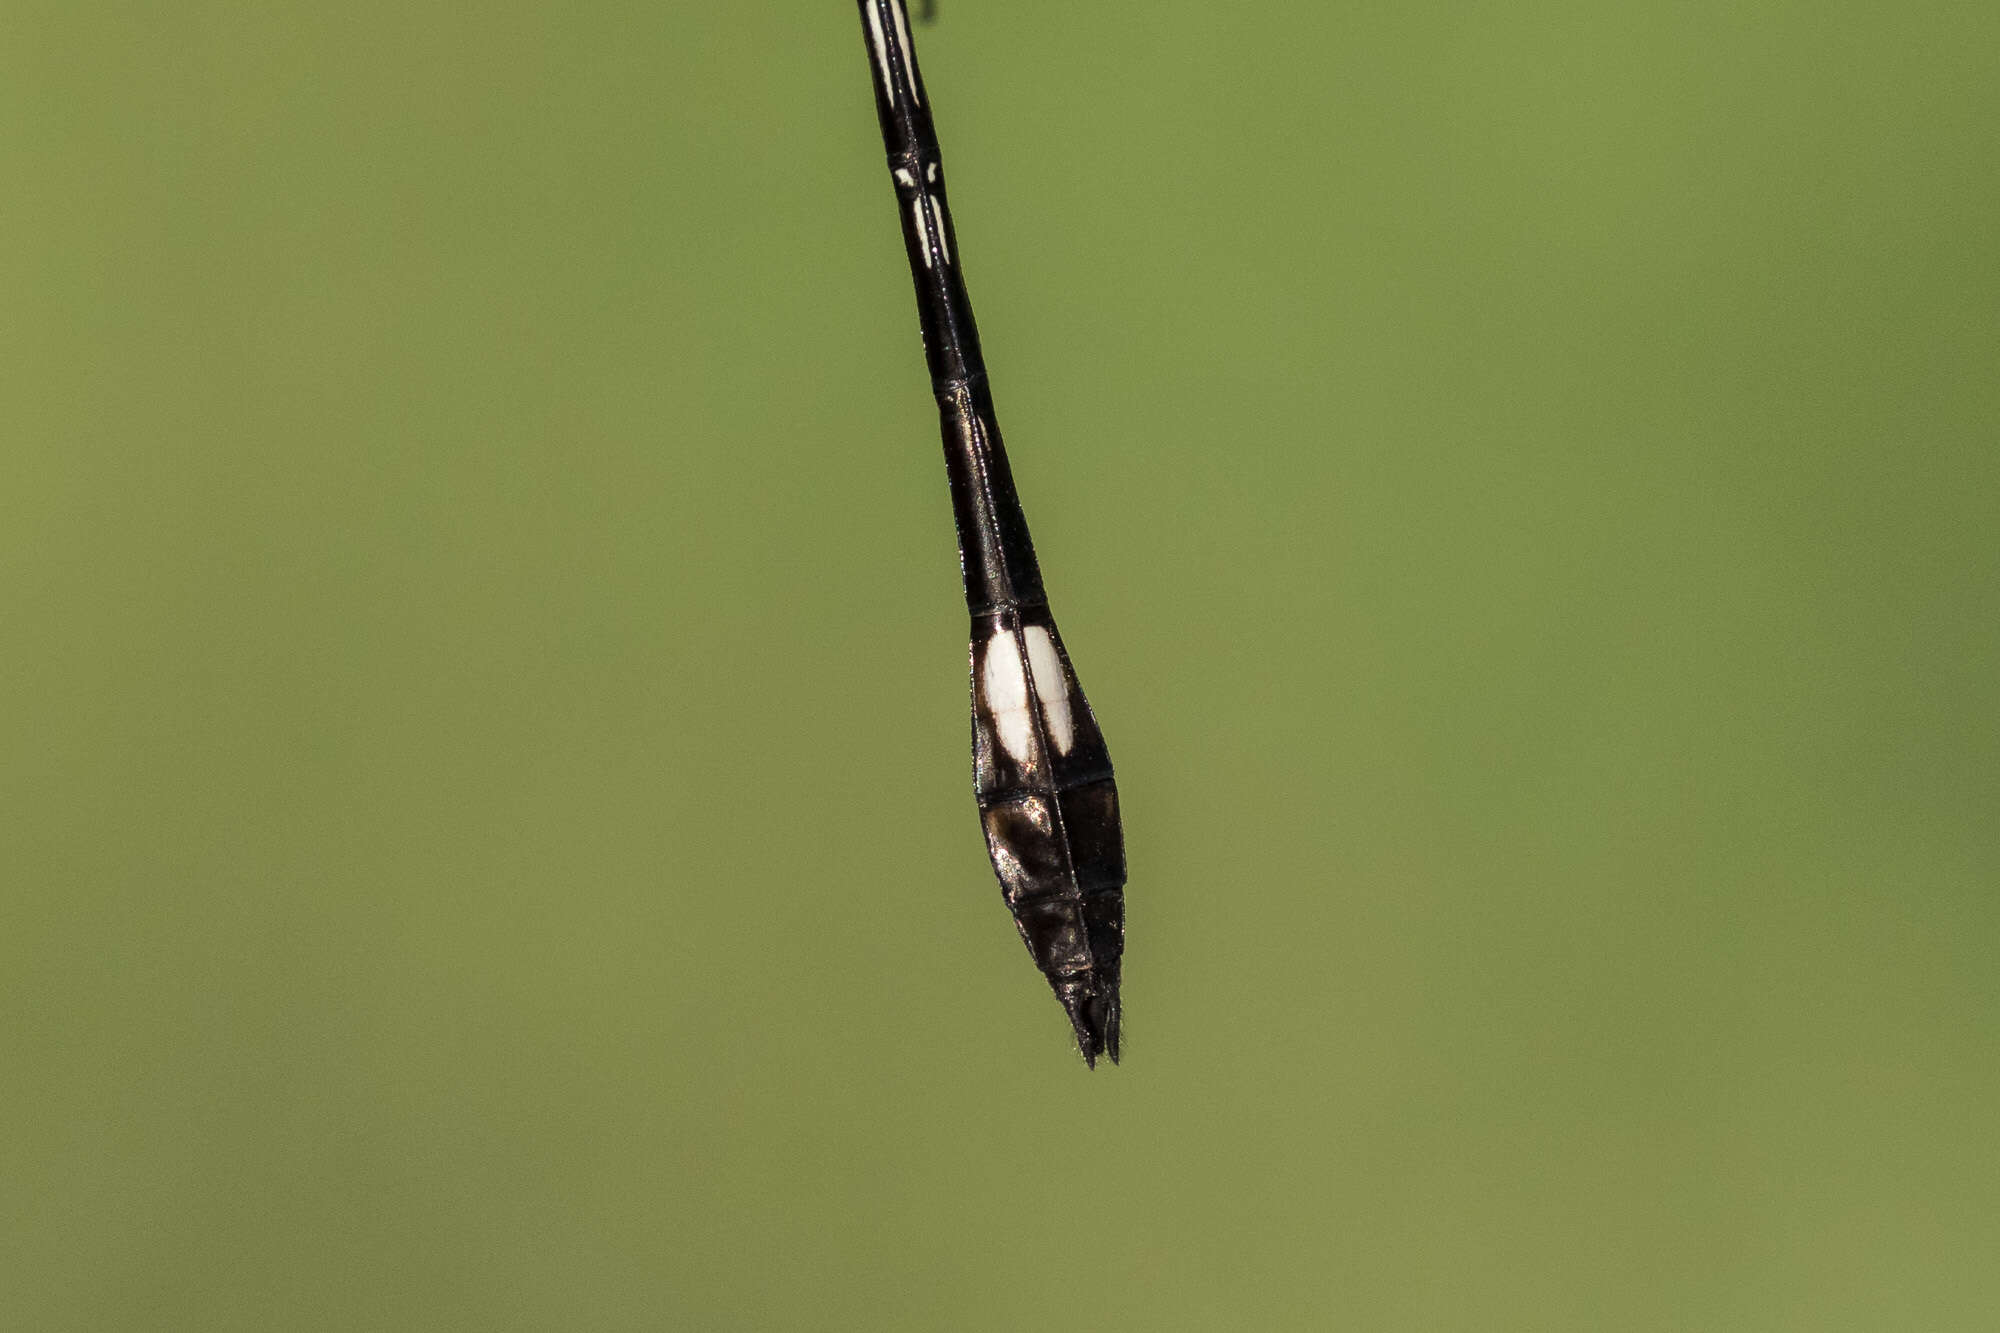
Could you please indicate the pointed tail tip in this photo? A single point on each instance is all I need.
(1094, 1016)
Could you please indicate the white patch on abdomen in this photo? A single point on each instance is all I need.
(937, 220)
(903, 36)
(881, 45)
(923, 237)
(1007, 693)
(1052, 686)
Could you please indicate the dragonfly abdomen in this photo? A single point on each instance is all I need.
(1040, 770)
(1049, 806)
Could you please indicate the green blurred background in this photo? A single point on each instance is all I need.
(488, 839)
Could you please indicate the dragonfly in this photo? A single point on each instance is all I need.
(1041, 775)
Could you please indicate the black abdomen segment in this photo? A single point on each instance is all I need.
(1040, 770)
